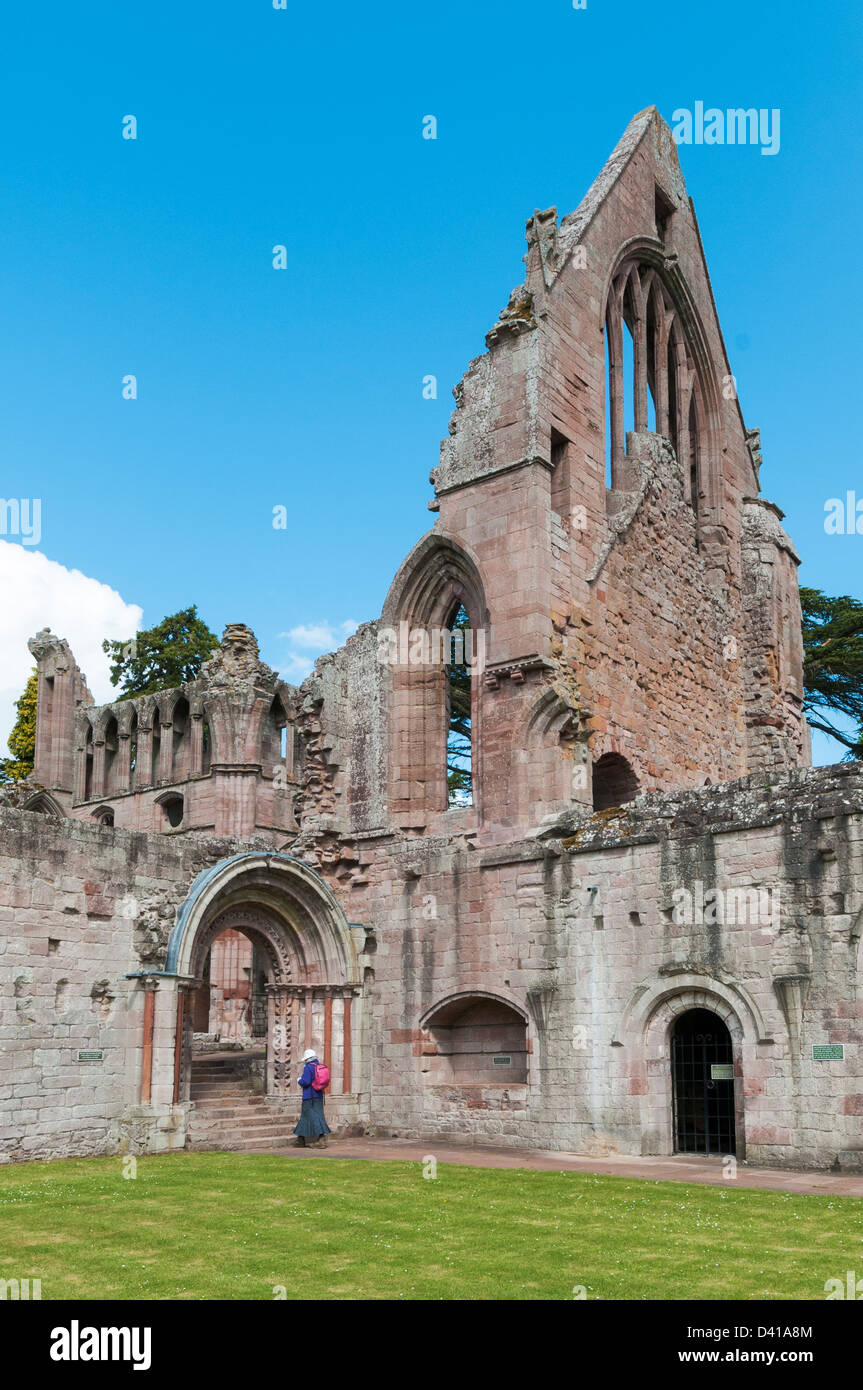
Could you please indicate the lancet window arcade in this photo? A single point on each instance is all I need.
(651, 379)
(132, 745)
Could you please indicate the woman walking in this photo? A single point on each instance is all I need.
(313, 1082)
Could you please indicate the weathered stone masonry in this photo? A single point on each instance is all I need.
(524, 968)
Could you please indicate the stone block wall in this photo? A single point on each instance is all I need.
(75, 901)
(578, 933)
(582, 943)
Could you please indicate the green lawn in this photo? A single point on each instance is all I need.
(202, 1226)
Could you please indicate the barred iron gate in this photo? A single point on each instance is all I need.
(702, 1077)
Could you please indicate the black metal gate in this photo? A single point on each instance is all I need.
(702, 1077)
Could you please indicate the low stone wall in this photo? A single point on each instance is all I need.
(79, 907)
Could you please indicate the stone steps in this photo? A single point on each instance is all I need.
(203, 1090)
(259, 1131)
(229, 1112)
(228, 1115)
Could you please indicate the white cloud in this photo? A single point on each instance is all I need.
(308, 641)
(36, 592)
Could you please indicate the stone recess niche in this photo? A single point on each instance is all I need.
(476, 1040)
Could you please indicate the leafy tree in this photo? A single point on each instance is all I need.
(22, 740)
(161, 657)
(459, 774)
(833, 665)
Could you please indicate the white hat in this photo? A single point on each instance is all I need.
(309, 1054)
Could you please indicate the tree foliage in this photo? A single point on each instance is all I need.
(459, 773)
(833, 666)
(161, 657)
(22, 740)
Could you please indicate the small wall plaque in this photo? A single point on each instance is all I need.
(502, 1061)
(828, 1052)
(722, 1071)
(94, 1055)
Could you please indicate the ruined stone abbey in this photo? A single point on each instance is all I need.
(628, 922)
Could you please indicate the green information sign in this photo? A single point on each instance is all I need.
(722, 1071)
(828, 1052)
(502, 1061)
(97, 1055)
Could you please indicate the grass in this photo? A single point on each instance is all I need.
(237, 1226)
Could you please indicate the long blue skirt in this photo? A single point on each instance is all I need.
(311, 1123)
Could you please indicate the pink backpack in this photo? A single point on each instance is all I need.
(322, 1077)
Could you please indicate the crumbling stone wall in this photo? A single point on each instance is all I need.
(80, 909)
(574, 931)
(126, 761)
(577, 930)
(655, 620)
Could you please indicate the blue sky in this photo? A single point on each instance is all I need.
(304, 387)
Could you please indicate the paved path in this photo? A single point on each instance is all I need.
(690, 1168)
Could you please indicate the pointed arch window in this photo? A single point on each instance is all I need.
(651, 380)
(435, 624)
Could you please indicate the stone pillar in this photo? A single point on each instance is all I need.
(660, 368)
(150, 986)
(166, 751)
(97, 791)
(178, 1043)
(295, 1027)
(143, 776)
(613, 328)
(196, 758)
(347, 1004)
(328, 1029)
(290, 751)
(279, 1041)
(81, 769)
(639, 374)
(124, 758)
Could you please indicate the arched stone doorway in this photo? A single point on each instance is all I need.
(302, 941)
(702, 1078)
(646, 1030)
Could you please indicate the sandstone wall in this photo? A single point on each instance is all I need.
(578, 933)
(75, 902)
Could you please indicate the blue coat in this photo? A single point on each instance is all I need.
(308, 1076)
